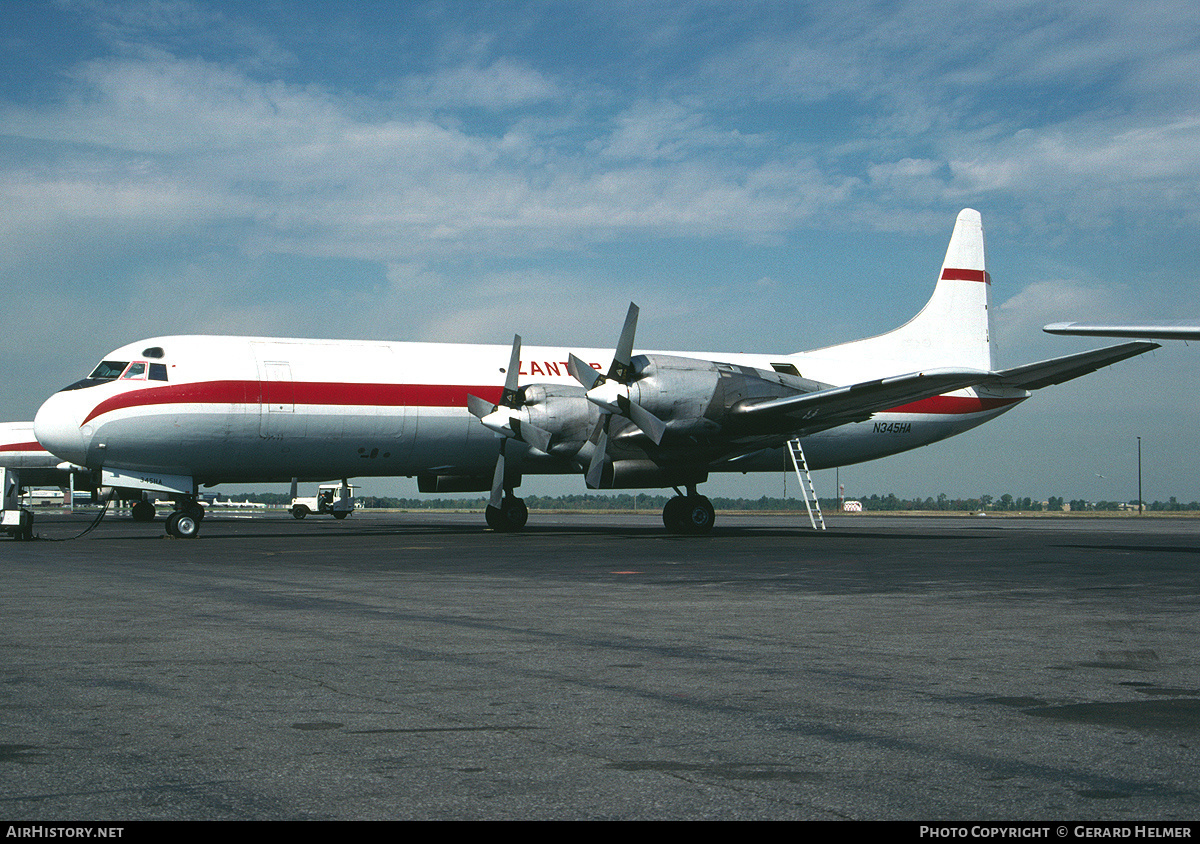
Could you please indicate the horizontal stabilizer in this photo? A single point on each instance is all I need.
(1150, 331)
(1034, 376)
(839, 405)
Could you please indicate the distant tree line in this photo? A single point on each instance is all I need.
(647, 501)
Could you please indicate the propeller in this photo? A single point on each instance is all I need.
(611, 394)
(505, 419)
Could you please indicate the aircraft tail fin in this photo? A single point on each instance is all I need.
(954, 327)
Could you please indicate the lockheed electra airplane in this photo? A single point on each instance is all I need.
(170, 414)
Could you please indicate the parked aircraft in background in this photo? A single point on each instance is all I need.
(24, 464)
(20, 451)
(1150, 331)
(172, 414)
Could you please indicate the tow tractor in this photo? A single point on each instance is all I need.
(336, 499)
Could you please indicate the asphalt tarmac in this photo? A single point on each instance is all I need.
(399, 666)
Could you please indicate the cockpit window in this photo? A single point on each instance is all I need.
(153, 352)
(135, 372)
(111, 370)
(108, 370)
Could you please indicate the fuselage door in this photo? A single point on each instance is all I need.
(278, 394)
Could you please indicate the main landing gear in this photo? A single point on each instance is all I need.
(689, 514)
(184, 523)
(510, 516)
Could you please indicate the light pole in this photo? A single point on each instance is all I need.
(1139, 476)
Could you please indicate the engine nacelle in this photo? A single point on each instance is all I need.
(679, 391)
(694, 396)
(564, 411)
(645, 474)
(453, 483)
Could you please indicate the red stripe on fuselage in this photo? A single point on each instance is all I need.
(957, 274)
(405, 395)
(953, 405)
(299, 392)
(22, 447)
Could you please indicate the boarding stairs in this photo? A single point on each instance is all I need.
(811, 504)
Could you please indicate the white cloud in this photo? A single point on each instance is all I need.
(670, 131)
(1020, 318)
(915, 180)
(500, 86)
(1091, 172)
(317, 173)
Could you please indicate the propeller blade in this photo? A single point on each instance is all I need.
(651, 425)
(595, 471)
(479, 407)
(623, 355)
(581, 372)
(537, 437)
(498, 477)
(601, 427)
(509, 398)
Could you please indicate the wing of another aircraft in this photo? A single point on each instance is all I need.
(1034, 376)
(1147, 330)
(823, 409)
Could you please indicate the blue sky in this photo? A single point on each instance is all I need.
(757, 176)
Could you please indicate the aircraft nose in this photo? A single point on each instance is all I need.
(57, 428)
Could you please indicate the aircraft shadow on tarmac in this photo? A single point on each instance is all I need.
(218, 529)
(1099, 546)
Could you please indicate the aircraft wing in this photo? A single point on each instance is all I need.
(1034, 376)
(1149, 330)
(816, 411)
